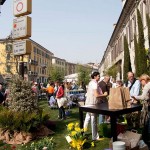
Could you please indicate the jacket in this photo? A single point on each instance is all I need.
(60, 92)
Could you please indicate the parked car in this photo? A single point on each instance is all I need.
(76, 95)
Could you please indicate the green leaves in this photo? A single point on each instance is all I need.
(127, 61)
(45, 142)
(21, 121)
(140, 53)
(21, 97)
(56, 74)
(83, 74)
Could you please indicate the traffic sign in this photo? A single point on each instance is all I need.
(22, 7)
(22, 27)
(22, 47)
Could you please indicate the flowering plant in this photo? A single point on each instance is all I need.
(44, 144)
(75, 138)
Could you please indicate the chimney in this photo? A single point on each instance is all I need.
(123, 2)
(114, 25)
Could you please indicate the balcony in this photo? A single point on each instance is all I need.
(43, 66)
(33, 62)
(32, 73)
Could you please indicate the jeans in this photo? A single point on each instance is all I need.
(62, 112)
(101, 119)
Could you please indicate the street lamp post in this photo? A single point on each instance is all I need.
(2, 2)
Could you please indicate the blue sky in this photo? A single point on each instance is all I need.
(75, 30)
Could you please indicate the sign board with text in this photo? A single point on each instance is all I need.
(22, 47)
(22, 27)
(22, 7)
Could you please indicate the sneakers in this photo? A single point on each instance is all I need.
(63, 118)
(59, 117)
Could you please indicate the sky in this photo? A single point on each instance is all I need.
(75, 30)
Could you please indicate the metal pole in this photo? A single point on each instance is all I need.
(21, 68)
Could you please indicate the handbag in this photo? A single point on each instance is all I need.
(62, 101)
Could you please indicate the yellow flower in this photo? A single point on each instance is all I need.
(79, 147)
(81, 142)
(76, 124)
(92, 144)
(73, 144)
(77, 129)
(70, 126)
(73, 133)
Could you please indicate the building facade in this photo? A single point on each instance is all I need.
(7, 60)
(59, 64)
(71, 68)
(126, 26)
(39, 63)
(36, 65)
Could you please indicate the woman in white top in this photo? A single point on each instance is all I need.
(93, 97)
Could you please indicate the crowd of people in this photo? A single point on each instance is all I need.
(97, 91)
(56, 93)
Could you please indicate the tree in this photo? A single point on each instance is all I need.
(56, 74)
(148, 51)
(137, 55)
(112, 71)
(21, 97)
(142, 59)
(83, 74)
(127, 62)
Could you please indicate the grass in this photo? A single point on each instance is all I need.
(61, 130)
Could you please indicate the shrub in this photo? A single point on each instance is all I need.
(127, 62)
(21, 97)
(21, 121)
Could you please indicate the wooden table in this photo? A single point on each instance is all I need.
(104, 110)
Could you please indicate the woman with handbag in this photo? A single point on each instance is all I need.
(61, 101)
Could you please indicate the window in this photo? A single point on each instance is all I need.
(127, 33)
(8, 56)
(43, 54)
(120, 48)
(135, 24)
(141, 10)
(130, 30)
(42, 71)
(8, 67)
(34, 49)
(8, 48)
